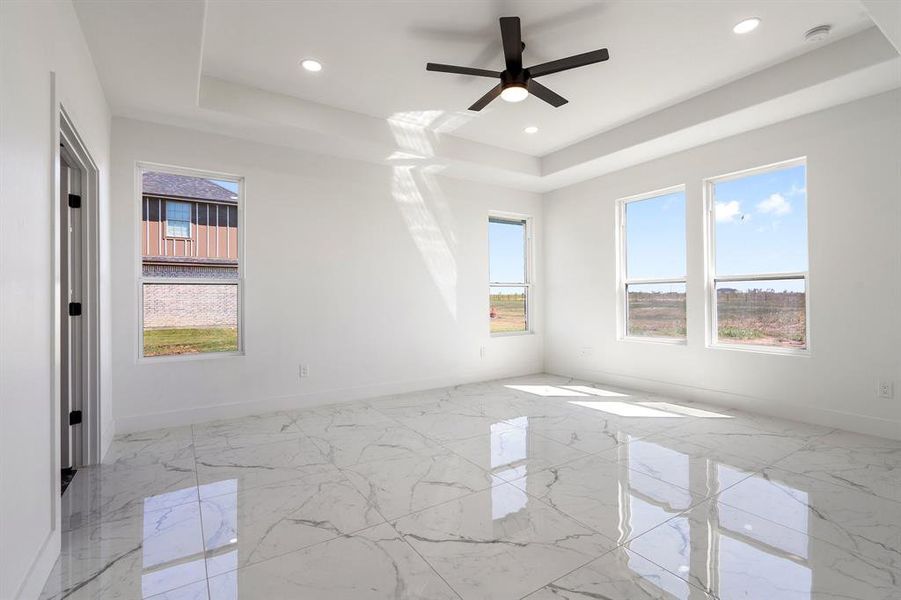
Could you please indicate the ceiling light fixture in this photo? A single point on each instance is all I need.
(311, 65)
(746, 26)
(531, 129)
(515, 93)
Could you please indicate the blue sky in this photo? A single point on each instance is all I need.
(761, 223)
(761, 227)
(506, 252)
(231, 186)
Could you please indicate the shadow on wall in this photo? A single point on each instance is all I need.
(419, 196)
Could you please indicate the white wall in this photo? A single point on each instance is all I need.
(374, 276)
(854, 221)
(36, 38)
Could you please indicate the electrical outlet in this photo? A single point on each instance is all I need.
(885, 389)
(586, 351)
(304, 370)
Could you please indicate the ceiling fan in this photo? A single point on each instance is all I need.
(516, 83)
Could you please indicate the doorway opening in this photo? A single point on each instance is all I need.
(78, 314)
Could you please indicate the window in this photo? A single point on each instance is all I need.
(191, 274)
(178, 219)
(508, 266)
(757, 267)
(652, 265)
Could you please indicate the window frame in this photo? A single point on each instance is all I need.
(140, 168)
(623, 281)
(711, 278)
(168, 219)
(526, 222)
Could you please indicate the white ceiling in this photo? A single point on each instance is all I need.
(374, 55)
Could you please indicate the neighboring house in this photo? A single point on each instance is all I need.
(189, 231)
(189, 227)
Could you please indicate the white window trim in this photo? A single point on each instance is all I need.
(140, 167)
(711, 278)
(623, 281)
(188, 220)
(528, 275)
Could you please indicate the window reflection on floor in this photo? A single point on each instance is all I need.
(509, 449)
(712, 543)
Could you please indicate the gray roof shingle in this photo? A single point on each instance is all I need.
(184, 186)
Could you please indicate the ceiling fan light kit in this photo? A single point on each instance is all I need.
(516, 82)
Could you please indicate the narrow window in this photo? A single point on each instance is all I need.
(757, 224)
(190, 263)
(652, 266)
(508, 265)
(178, 219)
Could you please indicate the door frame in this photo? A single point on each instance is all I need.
(86, 449)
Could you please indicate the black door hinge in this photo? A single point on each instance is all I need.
(75, 417)
(74, 201)
(74, 309)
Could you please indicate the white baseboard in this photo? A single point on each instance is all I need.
(886, 428)
(40, 569)
(131, 424)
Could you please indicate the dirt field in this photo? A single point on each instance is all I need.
(756, 317)
(508, 312)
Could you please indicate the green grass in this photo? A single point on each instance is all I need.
(165, 342)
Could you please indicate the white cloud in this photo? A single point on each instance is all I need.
(728, 212)
(775, 204)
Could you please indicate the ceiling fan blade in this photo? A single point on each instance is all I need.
(549, 96)
(484, 100)
(511, 34)
(461, 70)
(571, 62)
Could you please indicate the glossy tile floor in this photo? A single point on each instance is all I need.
(538, 488)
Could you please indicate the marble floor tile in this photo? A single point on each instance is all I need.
(373, 564)
(256, 465)
(600, 494)
(866, 463)
(500, 543)
(510, 451)
(585, 431)
(537, 486)
(449, 422)
(352, 445)
(734, 554)
(172, 447)
(408, 482)
(842, 515)
(105, 493)
(620, 575)
(246, 431)
(193, 591)
(264, 522)
(138, 557)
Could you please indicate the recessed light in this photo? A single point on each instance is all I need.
(311, 65)
(515, 93)
(531, 129)
(746, 26)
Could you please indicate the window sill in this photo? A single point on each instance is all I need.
(803, 352)
(502, 334)
(188, 357)
(664, 341)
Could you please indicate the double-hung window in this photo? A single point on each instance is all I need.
(757, 263)
(508, 265)
(190, 263)
(652, 271)
(178, 219)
